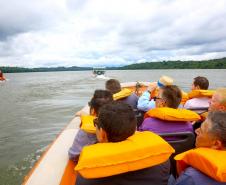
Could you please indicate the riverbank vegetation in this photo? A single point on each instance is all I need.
(42, 69)
(205, 64)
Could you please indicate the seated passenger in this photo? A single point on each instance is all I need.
(125, 95)
(146, 102)
(86, 134)
(206, 164)
(123, 156)
(200, 95)
(218, 100)
(166, 117)
(216, 103)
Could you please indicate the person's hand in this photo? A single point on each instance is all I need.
(152, 87)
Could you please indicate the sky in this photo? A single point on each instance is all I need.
(51, 33)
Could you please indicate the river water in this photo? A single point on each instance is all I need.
(34, 107)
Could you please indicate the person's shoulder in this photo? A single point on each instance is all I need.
(188, 103)
(190, 171)
(187, 177)
(192, 103)
(84, 137)
(151, 120)
(150, 124)
(192, 176)
(133, 96)
(197, 102)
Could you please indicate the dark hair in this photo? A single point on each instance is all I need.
(113, 86)
(218, 127)
(118, 121)
(100, 98)
(172, 96)
(202, 82)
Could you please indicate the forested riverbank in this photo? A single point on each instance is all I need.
(204, 64)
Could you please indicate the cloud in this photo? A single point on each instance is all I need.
(110, 32)
(24, 15)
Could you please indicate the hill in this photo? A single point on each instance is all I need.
(205, 64)
(42, 69)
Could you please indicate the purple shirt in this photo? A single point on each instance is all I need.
(162, 126)
(82, 139)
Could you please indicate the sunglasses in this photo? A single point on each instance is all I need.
(156, 98)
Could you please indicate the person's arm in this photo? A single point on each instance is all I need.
(82, 139)
(144, 103)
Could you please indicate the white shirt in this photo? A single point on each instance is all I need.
(202, 102)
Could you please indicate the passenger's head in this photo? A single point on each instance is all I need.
(200, 82)
(164, 81)
(218, 100)
(113, 86)
(169, 96)
(100, 98)
(115, 122)
(211, 134)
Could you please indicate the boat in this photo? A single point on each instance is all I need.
(54, 167)
(2, 78)
(99, 72)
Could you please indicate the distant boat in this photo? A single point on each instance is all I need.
(97, 71)
(2, 78)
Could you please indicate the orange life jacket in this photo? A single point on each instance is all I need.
(122, 94)
(170, 114)
(139, 151)
(200, 93)
(184, 97)
(209, 161)
(87, 123)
